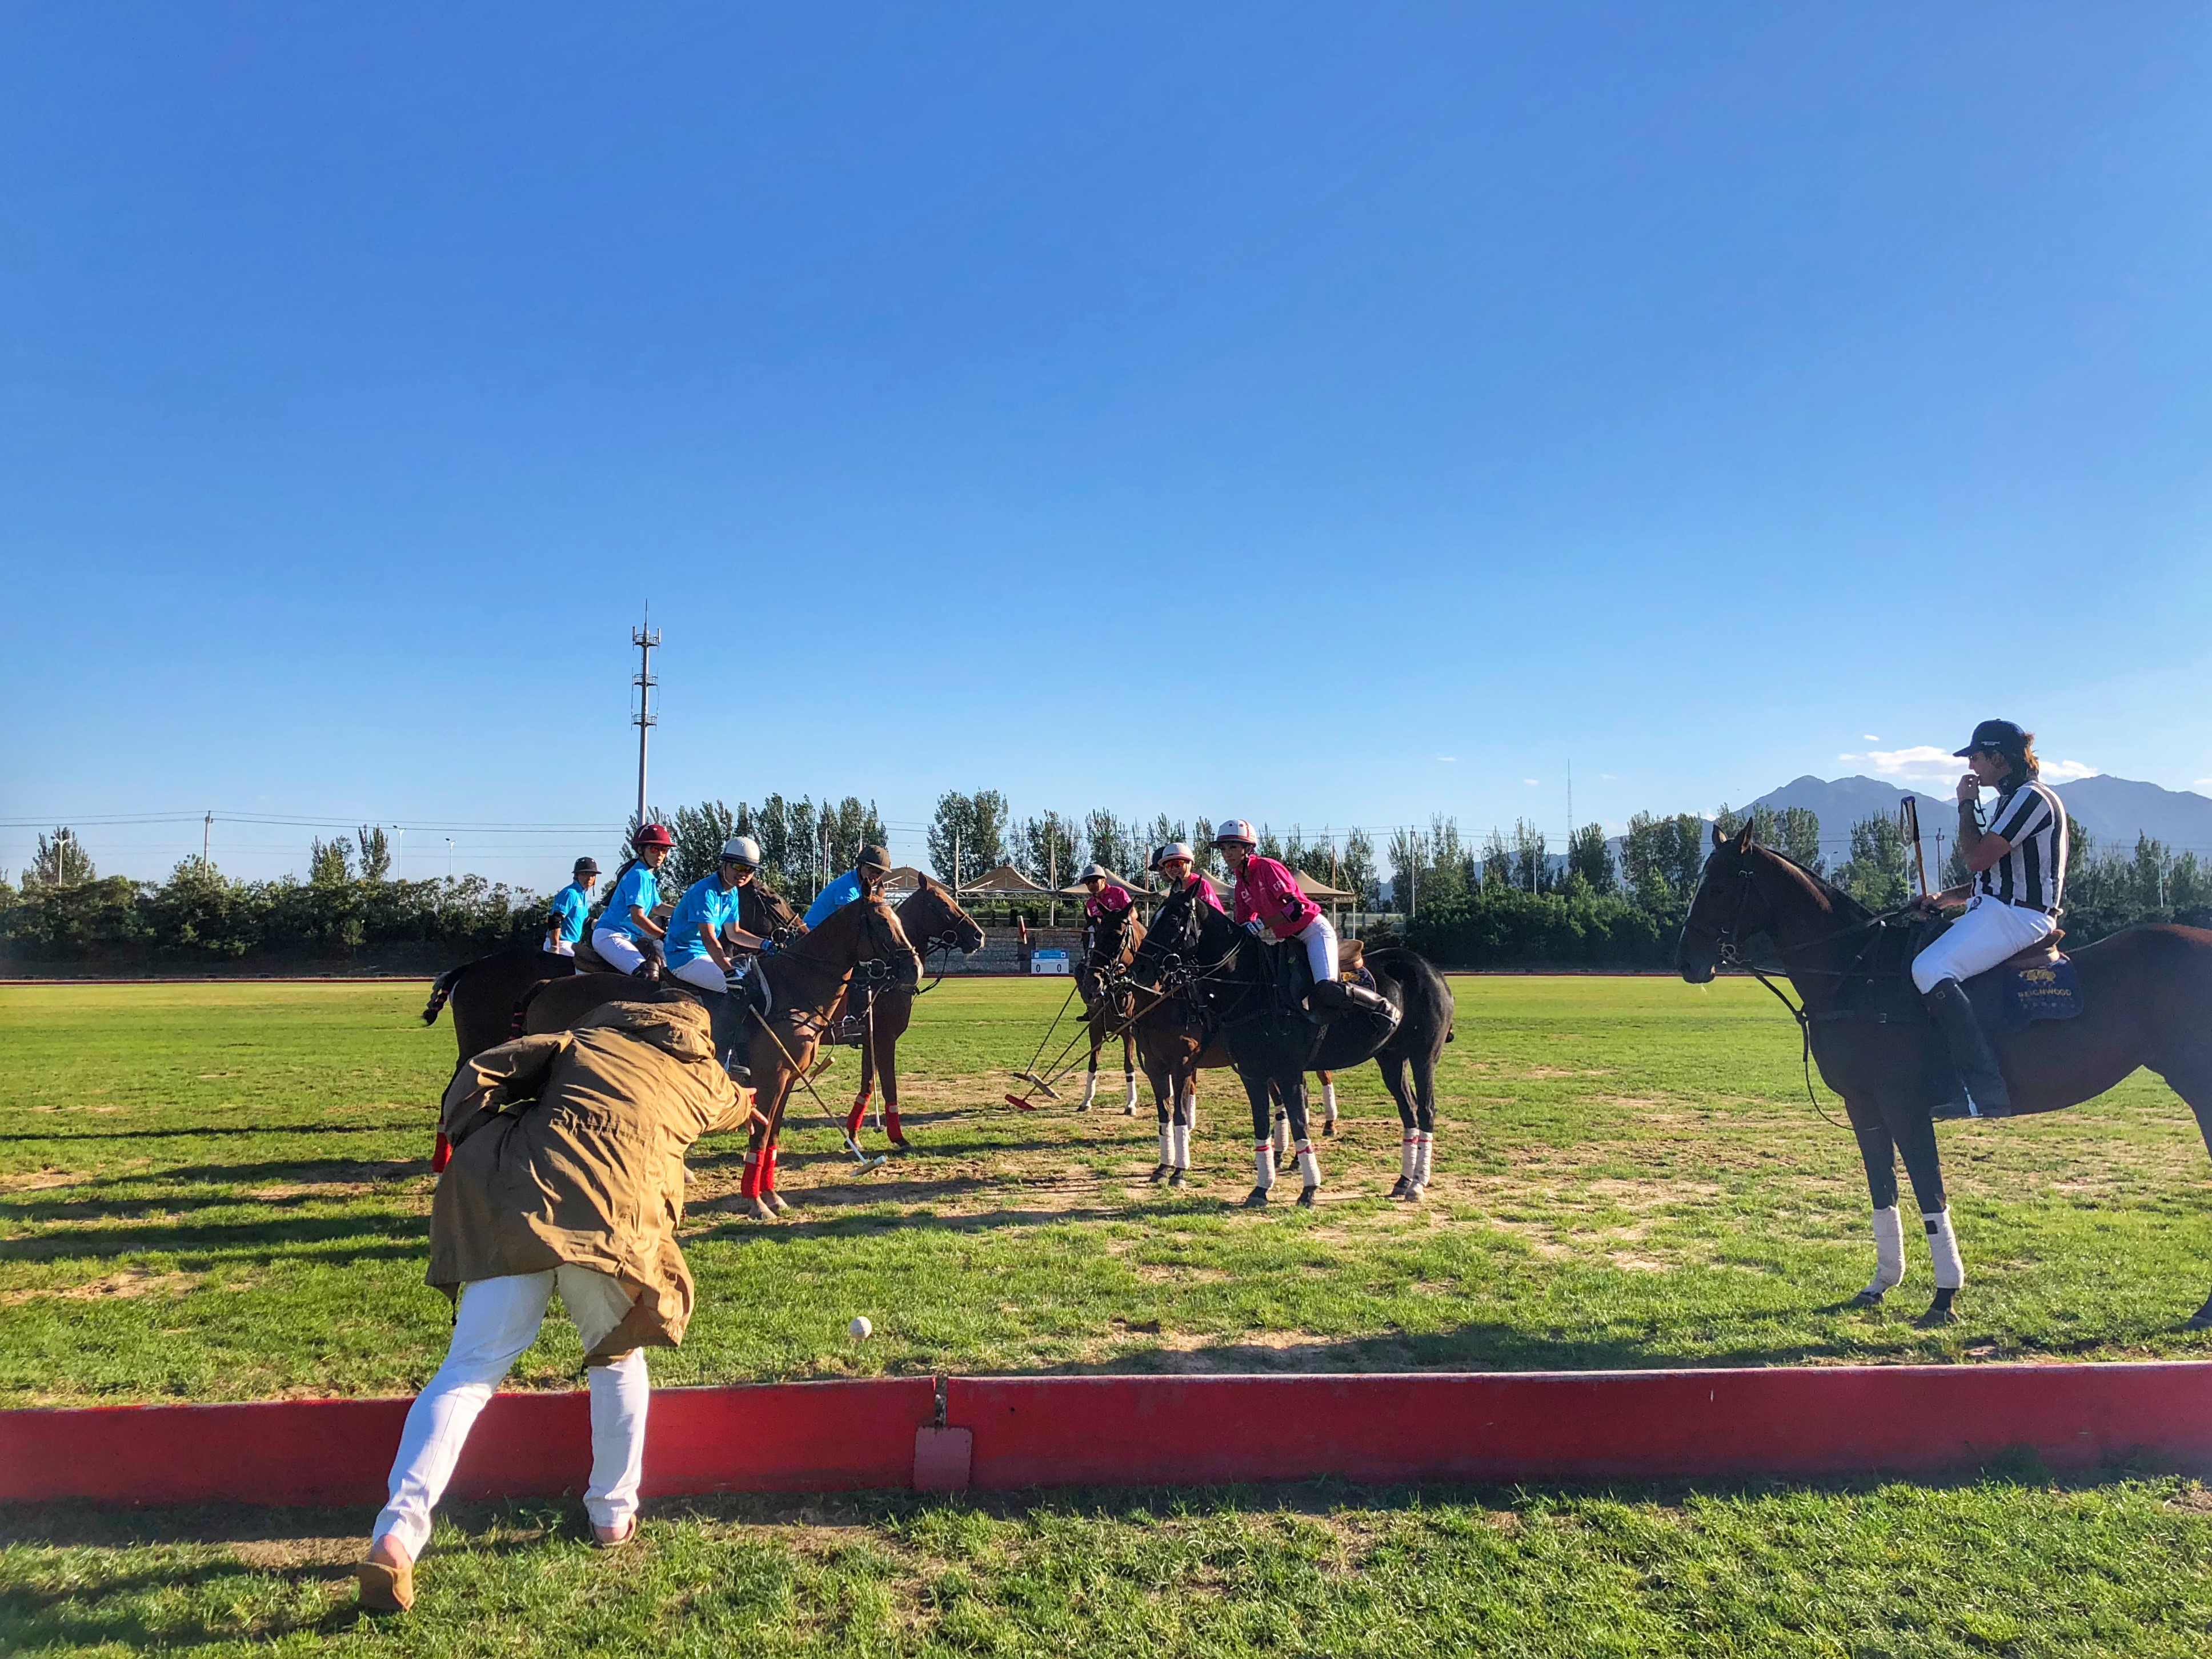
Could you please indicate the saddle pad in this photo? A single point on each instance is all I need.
(2006, 1000)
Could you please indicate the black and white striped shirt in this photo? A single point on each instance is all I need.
(2033, 873)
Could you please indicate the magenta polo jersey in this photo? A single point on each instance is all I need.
(1205, 893)
(1267, 892)
(1109, 901)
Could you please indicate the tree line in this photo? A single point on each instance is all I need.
(1508, 901)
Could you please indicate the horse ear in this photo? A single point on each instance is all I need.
(1719, 836)
(1743, 838)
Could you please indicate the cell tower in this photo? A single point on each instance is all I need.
(647, 642)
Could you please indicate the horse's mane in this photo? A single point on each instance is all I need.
(1831, 897)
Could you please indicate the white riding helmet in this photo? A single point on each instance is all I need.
(1091, 870)
(1234, 829)
(741, 849)
(1178, 849)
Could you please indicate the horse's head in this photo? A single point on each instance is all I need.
(1727, 907)
(886, 940)
(933, 920)
(1186, 931)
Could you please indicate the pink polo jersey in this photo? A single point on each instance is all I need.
(1205, 893)
(1269, 892)
(1109, 900)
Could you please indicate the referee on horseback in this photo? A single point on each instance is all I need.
(2018, 866)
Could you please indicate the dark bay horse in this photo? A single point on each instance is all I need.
(1234, 982)
(933, 922)
(2147, 1001)
(1109, 944)
(805, 985)
(486, 991)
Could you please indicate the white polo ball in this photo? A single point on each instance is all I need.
(860, 1328)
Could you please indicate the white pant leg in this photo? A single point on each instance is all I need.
(1990, 931)
(1320, 940)
(620, 1391)
(701, 972)
(497, 1319)
(560, 947)
(619, 949)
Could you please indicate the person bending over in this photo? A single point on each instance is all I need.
(567, 1174)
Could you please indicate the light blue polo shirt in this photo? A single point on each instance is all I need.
(572, 906)
(833, 898)
(706, 903)
(642, 888)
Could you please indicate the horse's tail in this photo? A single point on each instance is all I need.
(441, 989)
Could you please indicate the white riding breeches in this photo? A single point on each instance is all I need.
(619, 949)
(1320, 940)
(560, 947)
(497, 1319)
(1990, 931)
(701, 972)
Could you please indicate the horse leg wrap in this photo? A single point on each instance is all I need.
(1282, 1141)
(1129, 1100)
(1089, 1092)
(442, 1154)
(749, 1186)
(767, 1168)
(1409, 1155)
(1167, 1146)
(1943, 1246)
(1190, 1106)
(1309, 1165)
(1328, 1101)
(891, 1123)
(1888, 1252)
(1422, 1159)
(1179, 1146)
(1263, 1160)
(853, 1118)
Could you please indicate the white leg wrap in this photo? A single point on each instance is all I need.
(1409, 1154)
(1263, 1160)
(1423, 1157)
(1328, 1101)
(1167, 1145)
(1190, 1106)
(1129, 1082)
(1309, 1165)
(1888, 1252)
(1282, 1142)
(1090, 1087)
(1180, 1145)
(1943, 1246)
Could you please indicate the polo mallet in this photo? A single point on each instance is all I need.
(1030, 1076)
(859, 1157)
(1908, 813)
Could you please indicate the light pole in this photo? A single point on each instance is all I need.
(449, 857)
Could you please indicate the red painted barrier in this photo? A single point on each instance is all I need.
(1012, 1432)
(801, 1437)
(1916, 1420)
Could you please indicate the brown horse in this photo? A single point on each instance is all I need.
(932, 921)
(1109, 945)
(2146, 995)
(486, 991)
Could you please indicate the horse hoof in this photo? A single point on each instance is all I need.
(1398, 1188)
(758, 1210)
(1083, 1106)
(900, 1147)
(2202, 1319)
(1939, 1311)
(1306, 1198)
(1159, 1173)
(1176, 1179)
(1868, 1297)
(1130, 1111)
(776, 1202)
(1256, 1199)
(1329, 1128)
(1416, 1193)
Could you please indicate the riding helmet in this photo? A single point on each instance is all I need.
(587, 867)
(1237, 829)
(874, 858)
(741, 849)
(654, 835)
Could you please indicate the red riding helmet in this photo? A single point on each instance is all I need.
(654, 835)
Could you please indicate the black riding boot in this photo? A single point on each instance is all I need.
(1954, 1014)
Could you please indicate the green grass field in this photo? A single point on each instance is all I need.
(220, 1192)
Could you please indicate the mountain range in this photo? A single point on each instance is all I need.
(2114, 810)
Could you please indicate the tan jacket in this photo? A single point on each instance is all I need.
(568, 1147)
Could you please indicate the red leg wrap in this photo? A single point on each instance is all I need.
(750, 1185)
(891, 1123)
(767, 1170)
(853, 1118)
(442, 1154)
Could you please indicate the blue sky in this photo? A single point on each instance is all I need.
(1326, 416)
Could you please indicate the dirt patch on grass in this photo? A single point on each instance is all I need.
(38, 1180)
(130, 1283)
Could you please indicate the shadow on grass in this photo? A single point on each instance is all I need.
(318, 1130)
(279, 1172)
(382, 1235)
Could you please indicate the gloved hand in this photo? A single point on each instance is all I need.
(1256, 927)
